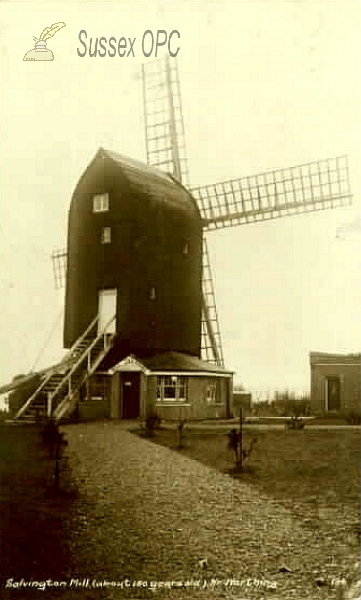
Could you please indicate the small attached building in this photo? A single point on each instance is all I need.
(171, 384)
(335, 382)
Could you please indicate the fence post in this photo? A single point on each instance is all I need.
(57, 459)
(241, 438)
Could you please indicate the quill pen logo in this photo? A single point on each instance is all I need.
(40, 51)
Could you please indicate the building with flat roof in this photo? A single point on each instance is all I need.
(335, 382)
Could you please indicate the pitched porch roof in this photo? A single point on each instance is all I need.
(170, 362)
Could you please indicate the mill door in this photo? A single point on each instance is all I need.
(333, 393)
(130, 395)
(107, 306)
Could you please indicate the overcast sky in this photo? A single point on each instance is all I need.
(265, 85)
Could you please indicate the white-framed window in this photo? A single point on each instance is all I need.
(100, 202)
(106, 235)
(213, 392)
(172, 388)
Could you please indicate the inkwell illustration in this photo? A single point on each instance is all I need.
(40, 51)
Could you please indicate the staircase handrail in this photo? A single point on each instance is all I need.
(78, 341)
(58, 411)
(23, 408)
(80, 359)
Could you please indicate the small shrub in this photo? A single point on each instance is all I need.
(353, 417)
(181, 433)
(3, 415)
(55, 442)
(152, 423)
(235, 443)
(295, 422)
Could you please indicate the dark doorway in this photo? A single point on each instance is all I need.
(130, 395)
(333, 393)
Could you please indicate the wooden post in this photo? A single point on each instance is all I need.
(241, 438)
(57, 459)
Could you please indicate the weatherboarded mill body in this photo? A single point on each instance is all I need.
(134, 251)
(135, 260)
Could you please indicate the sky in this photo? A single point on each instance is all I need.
(265, 85)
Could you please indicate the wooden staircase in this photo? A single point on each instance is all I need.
(58, 393)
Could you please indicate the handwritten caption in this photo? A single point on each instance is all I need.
(90, 583)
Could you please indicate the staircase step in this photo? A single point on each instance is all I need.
(55, 378)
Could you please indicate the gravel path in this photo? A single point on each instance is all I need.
(146, 514)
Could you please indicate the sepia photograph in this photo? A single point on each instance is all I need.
(180, 251)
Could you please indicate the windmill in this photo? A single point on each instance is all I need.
(159, 221)
(309, 187)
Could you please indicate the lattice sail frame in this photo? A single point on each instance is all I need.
(163, 118)
(306, 188)
(211, 336)
(60, 260)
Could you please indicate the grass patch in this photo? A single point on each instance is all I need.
(33, 515)
(314, 472)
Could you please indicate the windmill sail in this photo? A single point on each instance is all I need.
(59, 268)
(211, 337)
(306, 188)
(164, 127)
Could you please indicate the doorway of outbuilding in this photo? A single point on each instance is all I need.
(333, 388)
(130, 397)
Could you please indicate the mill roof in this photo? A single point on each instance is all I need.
(136, 166)
(151, 180)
